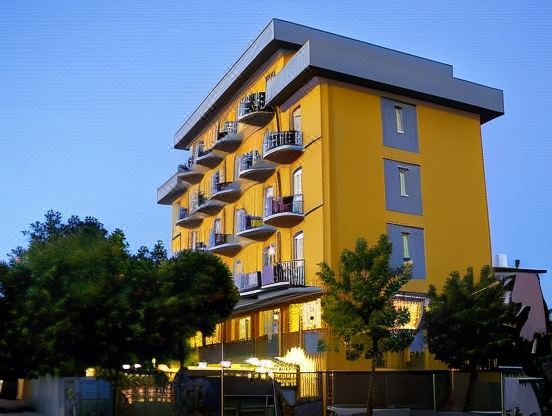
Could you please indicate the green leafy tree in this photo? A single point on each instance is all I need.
(358, 304)
(76, 298)
(468, 325)
(195, 292)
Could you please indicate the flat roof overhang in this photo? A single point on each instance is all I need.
(337, 57)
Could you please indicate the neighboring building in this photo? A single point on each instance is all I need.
(310, 141)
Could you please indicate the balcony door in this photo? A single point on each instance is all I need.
(268, 198)
(298, 253)
(240, 220)
(296, 119)
(298, 190)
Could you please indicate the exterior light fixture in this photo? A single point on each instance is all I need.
(202, 364)
(226, 364)
(126, 366)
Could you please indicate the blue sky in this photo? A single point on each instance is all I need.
(91, 94)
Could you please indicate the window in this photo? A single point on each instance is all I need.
(269, 322)
(298, 190)
(296, 119)
(399, 119)
(298, 246)
(244, 328)
(399, 124)
(192, 243)
(240, 220)
(269, 196)
(403, 189)
(406, 245)
(402, 181)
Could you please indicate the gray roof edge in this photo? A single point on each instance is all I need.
(280, 32)
(233, 74)
(333, 59)
(299, 34)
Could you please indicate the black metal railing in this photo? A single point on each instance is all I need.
(182, 213)
(248, 222)
(292, 272)
(227, 128)
(185, 167)
(198, 246)
(218, 239)
(278, 205)
(276, 139)
(219, 187)
(197, 200)
(251, 103)
(248, 160)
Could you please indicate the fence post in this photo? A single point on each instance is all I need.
(434, 397)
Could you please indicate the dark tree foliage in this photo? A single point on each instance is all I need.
(195, 292)
(358, 304)
(76, 298)
(468, 324)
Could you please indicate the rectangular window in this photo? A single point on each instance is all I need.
(244, 328)
(406, 246)
(402, 181)
(399, 119)
(296, 119)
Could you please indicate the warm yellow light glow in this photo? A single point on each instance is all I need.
(415, 307)
(298, 357)
(90, 372)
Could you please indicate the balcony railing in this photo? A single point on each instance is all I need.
(199, 246)
(292, 272)
(282, 138)
(227, 128)
(196, 200)
(248, 160)
(252, 103)
(247, 281)
(284, 204)
(182, 213)
(219, 187)
(218, 239)
(248, 222)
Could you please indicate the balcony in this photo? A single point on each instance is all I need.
(208, 158)
(246, 282)
(187, 220)
(228, 138)
(253, 228)
(283, 147)
(252, 110)
(224, 244)
(201, 205)
(251, 167)
(285, 212)
(187, 173)
(171, 190)
(226, 191)
(292, 272)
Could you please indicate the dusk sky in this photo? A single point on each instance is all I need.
(92, 92)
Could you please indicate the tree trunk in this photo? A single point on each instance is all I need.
(370, 401)
(471, 390)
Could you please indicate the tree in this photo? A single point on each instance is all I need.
(76, 298)
(358, 304)
(468, 325)
(195, 292)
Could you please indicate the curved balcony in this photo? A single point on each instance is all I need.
(253, 228)
(251, 167)
(228, 138)
(171, 189)
(252, 110)
(283, 146)
(188, 173)
(284, 212)
(224, 244)
(208, 158)
(226, 192)
(187, 220)
(208, 208)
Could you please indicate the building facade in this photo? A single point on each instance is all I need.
(309, 142)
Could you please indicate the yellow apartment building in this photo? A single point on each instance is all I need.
(310, 141)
